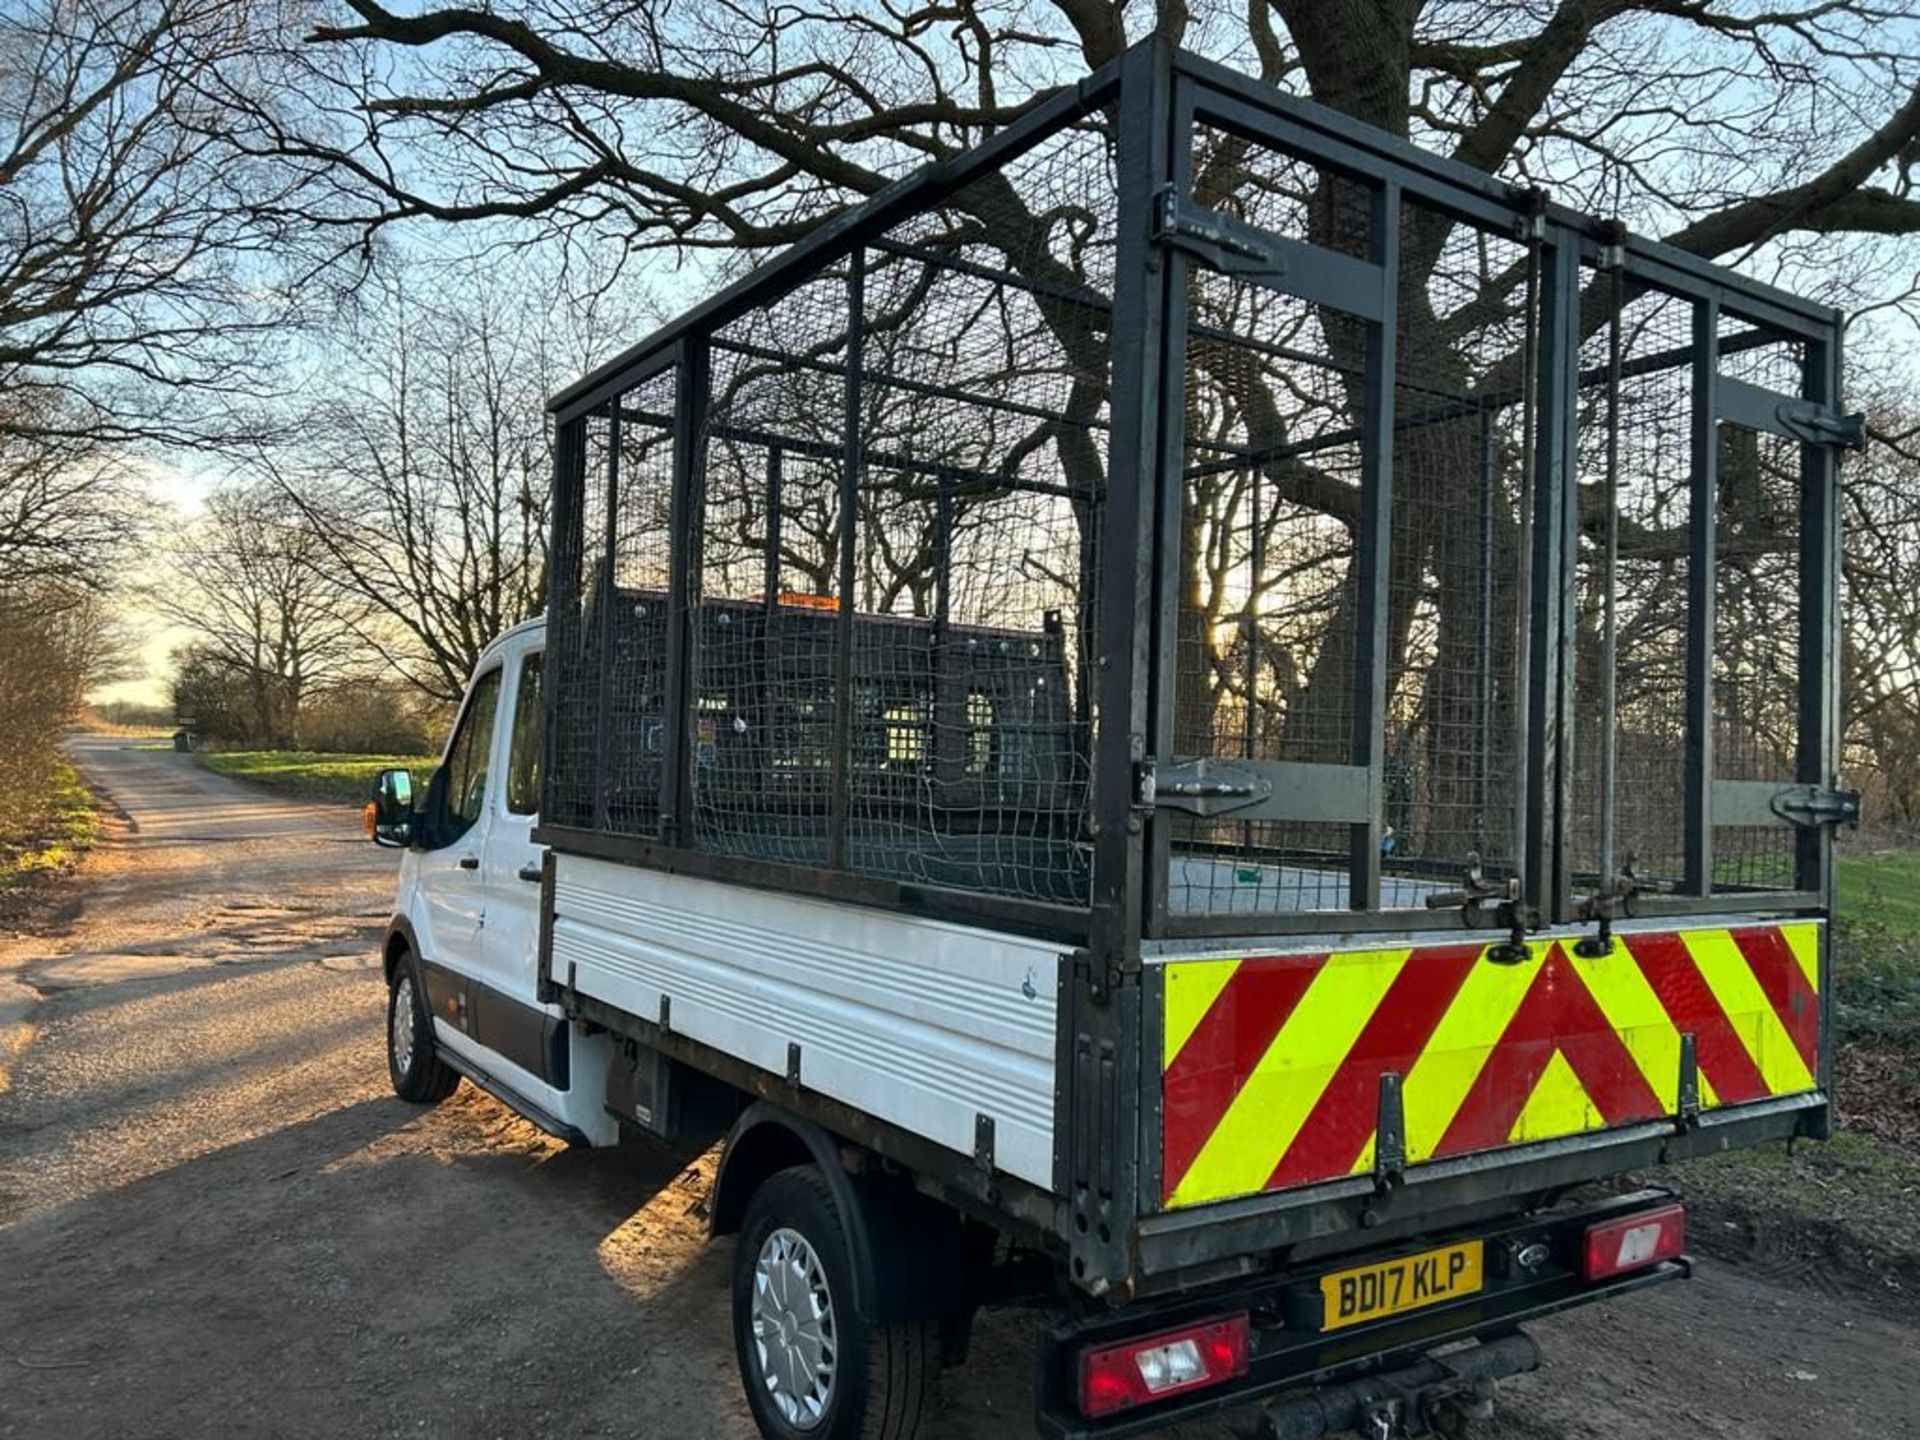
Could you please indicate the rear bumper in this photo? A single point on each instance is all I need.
(1171, 1247)
(1287, 1352)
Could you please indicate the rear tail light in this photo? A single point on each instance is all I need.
(1118, 1377)
(1617, 1246)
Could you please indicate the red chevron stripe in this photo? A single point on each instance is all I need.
(1557, 1013)
(1223, 1051)
(1689, 1003)
(1336, 1129)
(1785, 983)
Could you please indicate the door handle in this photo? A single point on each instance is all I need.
(530, 874)
(468, 862)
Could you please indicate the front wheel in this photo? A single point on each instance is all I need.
(813, 1367)
(416, 1069)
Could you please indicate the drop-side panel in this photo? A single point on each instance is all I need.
(923, 1024)
(1284, 1069)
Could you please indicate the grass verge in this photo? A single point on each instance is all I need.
(1839, 1216)
(51, 835)
(311, 774)
(1876, 957)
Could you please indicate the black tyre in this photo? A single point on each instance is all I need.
(814, 1368)
(416, 1069)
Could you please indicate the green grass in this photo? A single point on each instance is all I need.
(52, 834)
(311, 774)
(1876, 954)
(1881, 886)
(1843, 1208)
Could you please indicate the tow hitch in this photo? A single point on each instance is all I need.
(1440, 1396)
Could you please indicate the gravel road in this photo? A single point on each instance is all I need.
(216, 1220)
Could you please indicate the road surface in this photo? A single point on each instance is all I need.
(216, 1220)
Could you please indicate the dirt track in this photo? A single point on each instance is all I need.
(215, 1219)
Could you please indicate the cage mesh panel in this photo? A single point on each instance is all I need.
(984, 435)
(572, 649)
(1455, 606)
(1655, 458)
(1756, 668)
(636, 629)
(765, 640)
(1270, 500)
(1280, 192)
(1265, 624)
(982, 443)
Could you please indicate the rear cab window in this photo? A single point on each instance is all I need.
(523, 750)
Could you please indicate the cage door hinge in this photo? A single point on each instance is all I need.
(1203, 787)
(1216, 240)
(1816, 425)
(1810, 805)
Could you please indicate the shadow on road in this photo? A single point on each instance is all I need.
(374, 1270)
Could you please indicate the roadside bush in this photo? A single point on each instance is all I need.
(215, 701)
(225, 707)
(132, 713)
(385, 719)
(1876, 973)
(50, 656)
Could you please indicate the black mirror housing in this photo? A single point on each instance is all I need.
(389, 816)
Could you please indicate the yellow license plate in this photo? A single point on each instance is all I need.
(1391, 1287)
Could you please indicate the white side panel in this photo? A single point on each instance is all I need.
(921, 1023)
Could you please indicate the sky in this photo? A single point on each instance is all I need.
(181, 488)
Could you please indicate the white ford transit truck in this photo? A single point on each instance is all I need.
(1193, 718)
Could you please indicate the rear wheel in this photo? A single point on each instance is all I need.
(814, 1367)
(416, 1069)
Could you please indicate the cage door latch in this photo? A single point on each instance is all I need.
(1810, 805)
(1216, 240)
(1816, 425)
(1203, 787)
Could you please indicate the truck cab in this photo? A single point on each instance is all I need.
(462, 950)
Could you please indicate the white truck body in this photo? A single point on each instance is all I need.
(922, 1023)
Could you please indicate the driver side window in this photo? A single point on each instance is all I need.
(467, 759)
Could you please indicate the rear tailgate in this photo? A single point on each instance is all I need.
(1287, 1069)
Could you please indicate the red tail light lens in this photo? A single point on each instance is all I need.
(1118, 1377)
(1617, 1246)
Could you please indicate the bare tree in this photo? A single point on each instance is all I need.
(56, 649)
(422, 465)
(138, 255)
(71, 510)
(1881, 650)
(1722, 127)
(1776, 139)
(252, 581)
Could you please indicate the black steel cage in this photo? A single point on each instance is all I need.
(1191, 512)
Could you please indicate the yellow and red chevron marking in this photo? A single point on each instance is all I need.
(1271, 1064)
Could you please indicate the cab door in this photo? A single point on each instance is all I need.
(451, 913)
(510, 862)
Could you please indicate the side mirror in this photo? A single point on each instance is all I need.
(388, 818)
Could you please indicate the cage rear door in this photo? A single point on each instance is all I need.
(1345, 725)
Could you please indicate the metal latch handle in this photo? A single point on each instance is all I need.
(1810, 805)
(1202, 787)
(1816, 425)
